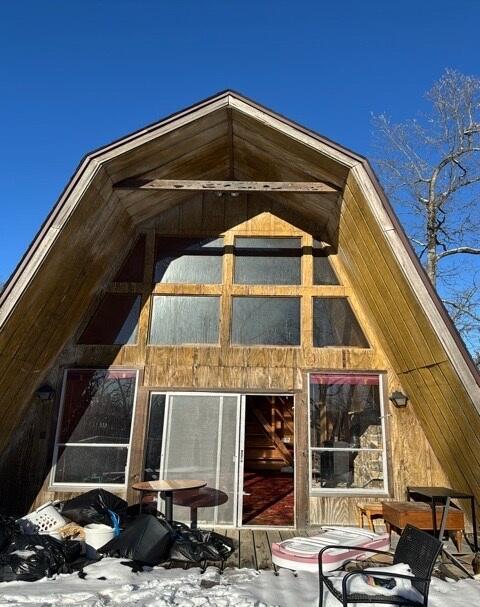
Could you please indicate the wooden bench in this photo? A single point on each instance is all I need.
(398, 515)
(371, 511)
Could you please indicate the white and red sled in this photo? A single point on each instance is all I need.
(301, 553)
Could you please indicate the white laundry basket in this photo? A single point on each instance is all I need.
(43, 520)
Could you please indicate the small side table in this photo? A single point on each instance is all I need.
(166, 489)
(371, 511)
(442, 496)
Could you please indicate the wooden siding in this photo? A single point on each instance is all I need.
(245, 369)
(56, 299)
(439, 398)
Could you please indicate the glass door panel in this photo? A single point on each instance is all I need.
(201, 442)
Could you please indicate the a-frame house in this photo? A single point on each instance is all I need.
(227, 295)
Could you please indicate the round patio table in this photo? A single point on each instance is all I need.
(166, 489)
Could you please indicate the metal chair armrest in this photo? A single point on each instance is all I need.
(356, 548)
(376, 572)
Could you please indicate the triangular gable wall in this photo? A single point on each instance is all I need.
(71, 255)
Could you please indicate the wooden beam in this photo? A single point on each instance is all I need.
(306, 187)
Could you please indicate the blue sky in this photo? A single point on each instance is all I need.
(75, 75)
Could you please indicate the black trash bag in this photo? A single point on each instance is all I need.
(8, 528)
(32, 557)
(62, 551)
(196, 545)
(93, 507)
(147, 540)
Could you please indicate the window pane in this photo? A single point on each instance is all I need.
(323, 273)
(345, 411)
(189, 260)
(210, 422)
(102, 465)
(268, 261)
(132, 267)
(347, 470)
(253, 242)
(97, 407)
(179, 319)
(114, 322)
(266, 321)
(335, 325)
(154, 437)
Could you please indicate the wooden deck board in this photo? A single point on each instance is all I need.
(247, 557)
(263, 552)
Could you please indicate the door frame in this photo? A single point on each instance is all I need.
(239, 518)
(239, 445)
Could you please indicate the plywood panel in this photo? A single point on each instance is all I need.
(267, 369)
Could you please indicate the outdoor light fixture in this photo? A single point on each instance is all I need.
(399, 399)
(45, 393)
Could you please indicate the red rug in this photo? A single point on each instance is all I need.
(271, 499)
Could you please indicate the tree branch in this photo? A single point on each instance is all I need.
(458, 250)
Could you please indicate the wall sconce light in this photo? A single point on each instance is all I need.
(399, 399)
(45, 393)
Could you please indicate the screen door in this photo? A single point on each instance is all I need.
(201, 441)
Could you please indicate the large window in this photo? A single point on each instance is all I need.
(347, 437)
(270, 321)
(188, 260)
(114, 322)
(184, 319)
(323, 273)
(268, 261)
(94, 427)
(133, 265)
(334, 324)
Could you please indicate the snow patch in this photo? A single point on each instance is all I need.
(110, 582)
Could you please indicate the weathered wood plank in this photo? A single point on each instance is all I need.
(247, 550)
(262, 549)
(305, 187)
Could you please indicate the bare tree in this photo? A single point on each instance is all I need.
(430, 166)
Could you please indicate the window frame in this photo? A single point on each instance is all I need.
(55, 485)
(353, 492)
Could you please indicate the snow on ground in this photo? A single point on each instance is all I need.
(109, 583)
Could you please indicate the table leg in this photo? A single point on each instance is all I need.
(474, 523)
(443, 522)
(434, 517)
(168, 497)
(458, 540)
(193, 518)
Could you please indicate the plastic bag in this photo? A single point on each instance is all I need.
(93, 507)
(32, 557)
(196, 545)
(8, 528)
(147, 540)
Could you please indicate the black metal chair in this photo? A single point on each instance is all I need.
(416, 548)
